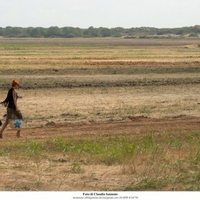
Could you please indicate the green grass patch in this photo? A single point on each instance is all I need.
(109, 149)
(157, 160)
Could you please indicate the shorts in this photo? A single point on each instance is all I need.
(13, 114)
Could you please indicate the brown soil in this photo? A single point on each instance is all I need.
(56, 173)
(135, 125)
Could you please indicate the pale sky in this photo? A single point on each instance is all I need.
(100, 13)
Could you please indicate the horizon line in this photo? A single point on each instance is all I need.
(196, 25)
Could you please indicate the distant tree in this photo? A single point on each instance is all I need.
(77, 32)
(35, 32)
(53, 31)
(193, 35)
(104, 32)
(117, 32)
(70, 32)
(12, 31)
(66, 32)
(91, 32)
(1, 31)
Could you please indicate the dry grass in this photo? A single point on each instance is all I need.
(104, 104)
(72, 80)
(28, 54)
(154, 160)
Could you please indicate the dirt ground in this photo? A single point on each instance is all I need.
(133, 126)
(56, 174)
(99, 88)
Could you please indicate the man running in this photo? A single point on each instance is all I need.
(13, 111)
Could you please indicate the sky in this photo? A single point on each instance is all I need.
(100, 13)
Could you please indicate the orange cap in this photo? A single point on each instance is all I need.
(14, 83)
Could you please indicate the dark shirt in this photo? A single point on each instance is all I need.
(10, 99)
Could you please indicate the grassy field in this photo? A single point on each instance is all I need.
(55, 55)
(156, 161)
(41, 106)
(67, 83)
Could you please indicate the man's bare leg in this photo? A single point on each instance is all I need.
(3, 128)
(18, 133)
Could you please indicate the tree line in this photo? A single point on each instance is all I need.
(70, 32)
